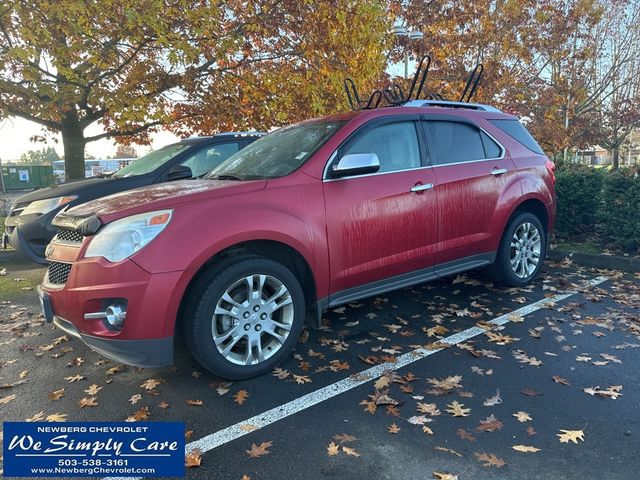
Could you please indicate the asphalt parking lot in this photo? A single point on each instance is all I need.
(443, 378)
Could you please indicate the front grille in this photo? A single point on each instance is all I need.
(58, 272)
(68, 235)
(17, 209)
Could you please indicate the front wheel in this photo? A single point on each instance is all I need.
(248, 318)
(521, 252)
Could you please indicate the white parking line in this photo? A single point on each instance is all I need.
(304, 402)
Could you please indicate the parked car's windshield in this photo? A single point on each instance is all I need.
(151, 161)
(278, 153)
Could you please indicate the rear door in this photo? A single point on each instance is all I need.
(471, 170)
(384, 224)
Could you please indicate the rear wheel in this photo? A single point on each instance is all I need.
(248, 317)
(521, 252)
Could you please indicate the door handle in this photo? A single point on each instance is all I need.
(421, 187)
(498, 171)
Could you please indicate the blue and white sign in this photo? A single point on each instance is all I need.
(93, 449)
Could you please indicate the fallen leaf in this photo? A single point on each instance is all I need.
(444, 476)
(489, 460)
(240, 397)
(612, 392)
(135, 399)
(193, 458)
(522, 416)
(74, 378)
(567, 436)
(492, 401)
(393, 428)
(429, 408)
(525, 449)
(150, 385)
(195, 403)
(462, 433)
(560, 380)
(448, 450)
(350, 451)
(457, 409)
(248, 428)
(56, 394)
(93, 389)
(489, 424)
(344, 438)
(7, 399)
(259, 450)
(56, 417)
(301, 379)
(88, 402)
(333, 449)
(530, 393)
(281, 373)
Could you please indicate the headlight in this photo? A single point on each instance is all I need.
(124, 237)
(45, 206)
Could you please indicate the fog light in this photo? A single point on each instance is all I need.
(114, 316)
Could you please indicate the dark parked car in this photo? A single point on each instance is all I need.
(28, 226)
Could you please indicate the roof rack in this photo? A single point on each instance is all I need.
(394, 96)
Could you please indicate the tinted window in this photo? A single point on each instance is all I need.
(491, 148)
(207, 159)
(151, 161)
(395, 144)
(454, 142)
(515, 129)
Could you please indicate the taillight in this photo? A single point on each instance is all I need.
(551, 168)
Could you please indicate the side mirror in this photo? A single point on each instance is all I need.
(179, 172)
(356, 164)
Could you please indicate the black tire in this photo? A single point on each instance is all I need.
(202, 301)
(501, 270)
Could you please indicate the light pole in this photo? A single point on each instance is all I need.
(400, 31)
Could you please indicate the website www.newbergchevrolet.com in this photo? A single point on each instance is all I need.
(92, 471)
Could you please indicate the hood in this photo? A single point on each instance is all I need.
(158, 197)
(77, 187)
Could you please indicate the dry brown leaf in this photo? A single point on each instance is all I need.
(493, 401)
(193, 458)
(489, 459)
(525, 449)
(560, 380)
(448, 450)
(240, 397)
(530, 393)
(56, 417)
(531, 431)
(7, 399)
(301, 379)
(281, 373)
(612, 392)
(333, 449)
(489, 424)
(163, 405)
(150, 384)
(429, 408)
(462, 433)
(93, 389)
(74, 378)
(350, 451)
(444, 476)
(259, 450)
(393, 428)
(88, 402)
(135, 399)
(381, 383)
(248, 428)
(457, 409)
(344, 438)
(56, 394)
(567, 436)
(195, 403)
(522, 416)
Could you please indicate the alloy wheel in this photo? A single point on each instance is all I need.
(252, 319)
(526, 247)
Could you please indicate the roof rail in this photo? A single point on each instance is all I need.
(451, 104)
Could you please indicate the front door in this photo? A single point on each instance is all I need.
(382, 225)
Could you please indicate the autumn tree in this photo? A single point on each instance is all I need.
(44, 156)
(125, 151)
(134, 65)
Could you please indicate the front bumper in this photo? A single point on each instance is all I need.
(152, 302)
(30, 235)
(151, 353)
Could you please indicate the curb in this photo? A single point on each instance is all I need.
(591, 260)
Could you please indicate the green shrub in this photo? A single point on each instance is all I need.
(578, 191)
(620, 216)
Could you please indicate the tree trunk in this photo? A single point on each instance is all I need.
(74, 143)
(615, 158)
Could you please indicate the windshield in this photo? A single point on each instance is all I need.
(277, 154)
(151, 161)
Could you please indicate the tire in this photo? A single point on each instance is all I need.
(237, 327)
(521, 252)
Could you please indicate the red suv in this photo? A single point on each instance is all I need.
(309, 217)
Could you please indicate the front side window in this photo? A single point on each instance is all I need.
(395, 144)
(151, 161)
(278, 153)
(207, 159)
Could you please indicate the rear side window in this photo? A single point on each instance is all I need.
(456, 142)
(516, 130)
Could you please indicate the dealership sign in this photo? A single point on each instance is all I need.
(82, 449)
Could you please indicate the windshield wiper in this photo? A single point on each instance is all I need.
(225, 176)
